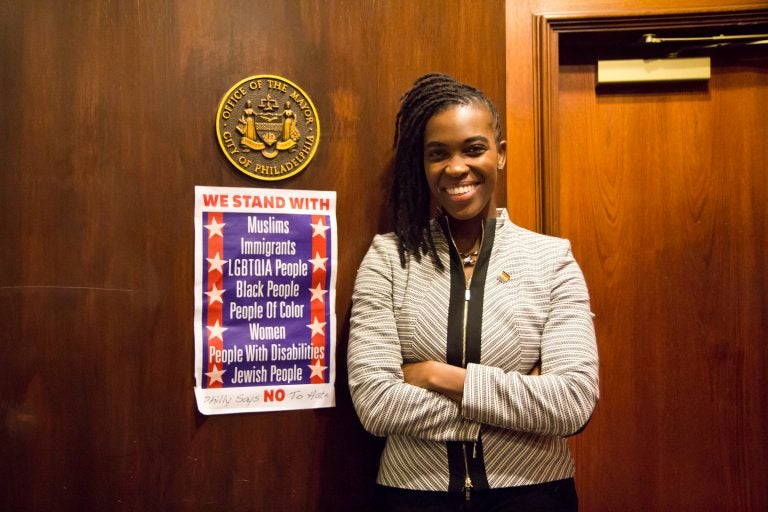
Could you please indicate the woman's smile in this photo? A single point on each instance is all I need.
(460, 190)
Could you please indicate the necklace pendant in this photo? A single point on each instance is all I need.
(470, 259)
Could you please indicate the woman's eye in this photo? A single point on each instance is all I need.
(435, 155)
(476, 150)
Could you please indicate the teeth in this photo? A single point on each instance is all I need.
(460, 190)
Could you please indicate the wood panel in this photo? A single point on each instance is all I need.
(522, 53)
(107, 115)
(662, 190)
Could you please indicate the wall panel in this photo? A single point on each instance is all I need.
(107, 115)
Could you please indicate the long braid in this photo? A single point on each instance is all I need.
(410, 197)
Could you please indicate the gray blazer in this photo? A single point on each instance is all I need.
(527, 303)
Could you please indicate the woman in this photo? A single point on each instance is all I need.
(454, 314)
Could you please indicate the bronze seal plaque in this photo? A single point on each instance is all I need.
(268, 127)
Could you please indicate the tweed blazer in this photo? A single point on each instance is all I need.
(527, 303)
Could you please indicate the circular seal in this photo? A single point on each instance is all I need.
(268, 127)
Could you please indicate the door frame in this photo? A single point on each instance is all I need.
(547, 28)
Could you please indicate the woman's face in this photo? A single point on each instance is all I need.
(461, 160)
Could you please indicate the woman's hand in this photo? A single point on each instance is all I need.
(434, 376)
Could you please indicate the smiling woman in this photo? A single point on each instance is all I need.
(461, 160)
(477, 361)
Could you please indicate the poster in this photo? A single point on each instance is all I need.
(265, 274)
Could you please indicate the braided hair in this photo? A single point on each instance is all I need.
(410, 197)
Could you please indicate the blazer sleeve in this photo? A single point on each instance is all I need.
(560, 401)
(385, 404)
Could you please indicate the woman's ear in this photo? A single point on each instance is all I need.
(502, 150)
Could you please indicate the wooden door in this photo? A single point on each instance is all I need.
(663, 191)
(107, 123)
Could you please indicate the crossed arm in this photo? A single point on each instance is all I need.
(442, 378)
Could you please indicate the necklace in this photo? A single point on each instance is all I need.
(468, 259)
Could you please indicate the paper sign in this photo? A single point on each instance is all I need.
(265, 274)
